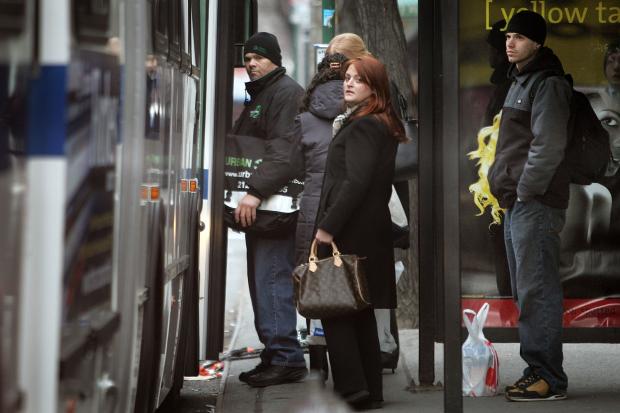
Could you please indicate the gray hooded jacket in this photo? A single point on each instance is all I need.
(533, 135)
(314, 130)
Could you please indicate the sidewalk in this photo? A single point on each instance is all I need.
(593, 371)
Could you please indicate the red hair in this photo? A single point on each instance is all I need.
(372, 72)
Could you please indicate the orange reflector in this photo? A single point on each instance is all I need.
(193, 185)
(183, 185)
(154, 193)
(149, 193)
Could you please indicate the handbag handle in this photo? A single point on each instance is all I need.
(313, 258)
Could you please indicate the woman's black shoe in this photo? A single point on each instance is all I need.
(357, 398)
(361, 401)
(368, 405)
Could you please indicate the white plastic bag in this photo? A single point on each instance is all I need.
(480, 361)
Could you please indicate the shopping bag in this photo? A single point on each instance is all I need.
(276, 215)
(480, 361)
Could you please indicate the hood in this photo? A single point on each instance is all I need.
(326, 100)
(500, 73)
(545, 60)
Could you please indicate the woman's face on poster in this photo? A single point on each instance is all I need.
(607, 108)
(612, 69)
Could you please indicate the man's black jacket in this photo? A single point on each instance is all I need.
(270, 115)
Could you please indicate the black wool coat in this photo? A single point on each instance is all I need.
(354, 202)
(270, 115)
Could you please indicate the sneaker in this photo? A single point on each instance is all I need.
(273, 375)
(257, 369)
(516, 384)
(533, 388)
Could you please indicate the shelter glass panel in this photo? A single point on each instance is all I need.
(584, 35)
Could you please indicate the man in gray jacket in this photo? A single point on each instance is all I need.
(531, 182)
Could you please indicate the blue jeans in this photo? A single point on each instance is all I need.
(270, 269)
(531, 232)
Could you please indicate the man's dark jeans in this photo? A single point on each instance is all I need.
(531, 232)
(270, 269)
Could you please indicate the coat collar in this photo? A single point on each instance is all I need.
(545, 60)
(254, 87)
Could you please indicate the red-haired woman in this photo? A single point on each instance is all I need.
(354, 213)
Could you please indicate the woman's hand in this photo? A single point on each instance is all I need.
(323, 237)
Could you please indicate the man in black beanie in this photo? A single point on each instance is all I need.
(269, 114)
(531, 182)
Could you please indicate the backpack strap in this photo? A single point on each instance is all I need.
(544, 75)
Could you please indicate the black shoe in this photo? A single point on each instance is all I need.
(357, 398)
(368, 405)
(273, 375)
(361, 401)
(257, 369)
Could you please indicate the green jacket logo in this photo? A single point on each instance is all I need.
(255, 114)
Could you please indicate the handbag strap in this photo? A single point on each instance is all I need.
(313, 258)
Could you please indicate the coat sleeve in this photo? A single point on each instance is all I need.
(549, 119)
(362, 151)
(281, 144)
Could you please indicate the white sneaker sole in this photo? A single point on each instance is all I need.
(527, 399)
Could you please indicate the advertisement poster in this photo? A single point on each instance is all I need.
(584, 34)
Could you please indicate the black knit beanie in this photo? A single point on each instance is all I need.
(531, 25)
(497, 37)
(266, 45)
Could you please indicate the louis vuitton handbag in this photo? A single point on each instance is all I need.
(330, 287)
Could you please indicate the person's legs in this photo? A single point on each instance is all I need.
(510, 253)
(250, 259)
(275, 316)
(367, 337)
(344, 356)
(354, 355)
(534, 232)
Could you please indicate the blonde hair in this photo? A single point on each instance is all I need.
(483, 198)
(348, 44)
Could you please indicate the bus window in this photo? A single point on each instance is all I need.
(175, 31)
(12, 17)
(244, 25)
(91, 21)
(159, 9)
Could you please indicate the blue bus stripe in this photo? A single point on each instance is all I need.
(204, 185)
(46, 112)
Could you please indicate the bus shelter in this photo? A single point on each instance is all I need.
(461, 263)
